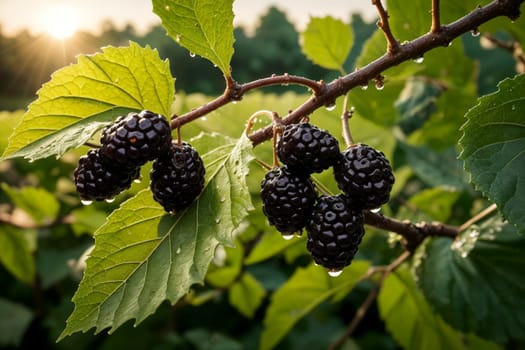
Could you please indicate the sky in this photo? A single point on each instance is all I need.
(37, 15)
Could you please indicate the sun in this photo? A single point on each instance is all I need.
(60, 21)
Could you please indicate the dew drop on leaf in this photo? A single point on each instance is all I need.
(288, 237)
(334, 273)
(419, 59)
(222, 200)
(178, 250)
(137, 180)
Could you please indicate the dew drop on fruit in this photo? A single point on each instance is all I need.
(419, 59)
(288, 237)
(334, 273)
(376, 210)
(330, 107)
(110, 200)
(86, 201)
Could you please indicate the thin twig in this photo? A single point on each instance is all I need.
(436, 22)
(479, 216)
(345, 118)
(372, 295)
(393, 44)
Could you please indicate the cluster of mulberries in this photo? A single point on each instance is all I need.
(334, 224)
(177, 175)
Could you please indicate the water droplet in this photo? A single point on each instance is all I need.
(380, 85)
(204, 118)
(316, 264)
(513, 107)
(167, 7)
(448, 44)
(178, 37)
(419, 59)
(31, 160)
(137, 180)
(178, 250)
(192, 54)
(364, 86)
(376, 210)
(222, 200)
(110, 200)
(334, 273)
(288, 237)
(475, 32)
(235, 102)
(330, 106)
(217, 220)
(86, 201)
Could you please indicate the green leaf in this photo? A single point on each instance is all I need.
(143, 256)
(429, 166)
(409, 318)
(306, 289)
(226, 265)
(476, 282)
(271, 243)
(14, 321)
(83, 97)
(8, 121)
(493, 148)
(40, 204)
(246, 295)
(16, 254)
(204, 27)
(437, 203)
(327, 42)
(407, 22)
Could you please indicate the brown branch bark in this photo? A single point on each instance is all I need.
(327, 93)
(436, 21)
(384, 25)
(413, 234)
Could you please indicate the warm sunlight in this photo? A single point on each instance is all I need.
(60, 21)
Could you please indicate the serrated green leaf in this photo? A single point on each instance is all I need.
(436, 203)
(143, 256)
(204, 27)
(476, 282)
(246, 295)
(16, 254)
(83, 97)
(327, 42)
(412, 323)
(306, 289)
(14, 321)
(40, 204)
(493, 148)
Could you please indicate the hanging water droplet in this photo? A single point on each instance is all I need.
(204, 118)
(380, 85)
(376, 210)
(419, 59)
(86, 201)
(178, 250)
(110, 200)
(330, 106)
(334, 273)
(448, 44)
(235, 102)
(288, 237)
(475, 32)
(364, 86)
(464, 254)
(192, 54)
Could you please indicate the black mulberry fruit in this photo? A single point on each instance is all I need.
(96, 180)
(135, 139)
(306, 148)
(288, 199)
(364, 174)
(335, 230)
(177, 177)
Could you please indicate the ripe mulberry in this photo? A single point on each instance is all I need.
(306, 148)
(177, 177)
(335, 230)
(135, 139)
(288, 199)
(364, 174)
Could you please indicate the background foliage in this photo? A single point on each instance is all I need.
(232, 282)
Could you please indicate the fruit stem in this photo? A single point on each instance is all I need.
(277, 129)
(345, 116)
